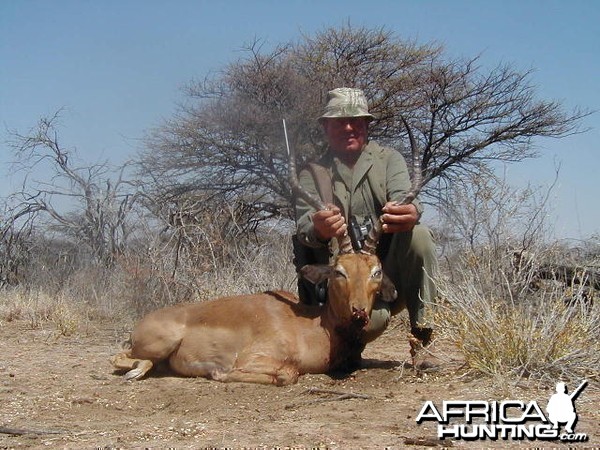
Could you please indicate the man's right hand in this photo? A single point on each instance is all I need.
(329, 223)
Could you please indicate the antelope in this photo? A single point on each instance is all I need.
(271, 337)
(267, 338)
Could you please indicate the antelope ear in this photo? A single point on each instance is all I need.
(387, 291)
(315, 273)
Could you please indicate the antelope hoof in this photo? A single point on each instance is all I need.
(134, 374)
(140, 369)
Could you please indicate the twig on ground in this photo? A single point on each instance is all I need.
(338, 396)
(426, 442)
(22, 431)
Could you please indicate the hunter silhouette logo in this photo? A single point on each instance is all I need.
(561, 406)
(507, 419)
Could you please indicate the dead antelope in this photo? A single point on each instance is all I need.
(266, 338)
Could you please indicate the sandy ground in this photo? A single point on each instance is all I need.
(61, 392)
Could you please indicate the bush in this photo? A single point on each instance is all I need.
(142, 281)
(509, 324)
(37, 308)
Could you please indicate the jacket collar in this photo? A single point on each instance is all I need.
(360, 170)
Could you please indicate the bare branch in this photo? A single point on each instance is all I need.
(101, 221)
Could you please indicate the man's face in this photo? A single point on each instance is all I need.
(347, 134)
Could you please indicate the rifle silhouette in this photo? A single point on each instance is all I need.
(577, 391)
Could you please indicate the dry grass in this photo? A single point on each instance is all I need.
(247, 268)
(37, 308)
(138, 285)
(508, 330)
(505, 329)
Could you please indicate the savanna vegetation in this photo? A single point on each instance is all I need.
(205, 209)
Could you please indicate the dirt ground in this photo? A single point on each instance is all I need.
(61, 392)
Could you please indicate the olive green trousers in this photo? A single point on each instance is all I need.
(409, 260)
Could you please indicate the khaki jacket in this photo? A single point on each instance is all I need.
(380, 175)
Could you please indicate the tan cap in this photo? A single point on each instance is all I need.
(346, 102)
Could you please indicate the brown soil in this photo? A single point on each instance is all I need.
(61, 392)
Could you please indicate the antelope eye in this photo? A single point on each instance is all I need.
(339, 273)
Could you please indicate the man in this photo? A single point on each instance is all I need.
(366, 180)
(561, 408)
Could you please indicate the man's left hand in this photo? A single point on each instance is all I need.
(398, 218)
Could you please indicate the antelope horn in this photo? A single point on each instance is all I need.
(370, 244)
(372, 239)
(298, 190)
(417, 173)
(344, 242)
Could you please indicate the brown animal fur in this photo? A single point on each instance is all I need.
(266, 338)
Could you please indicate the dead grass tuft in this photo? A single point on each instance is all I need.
(37, 308)
(546, 334)
(138, 285)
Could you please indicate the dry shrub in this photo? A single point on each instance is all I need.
(143, 281)
(37, 308)
(510, 329)
(250, 266)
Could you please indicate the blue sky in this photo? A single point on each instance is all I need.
(117, 67)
